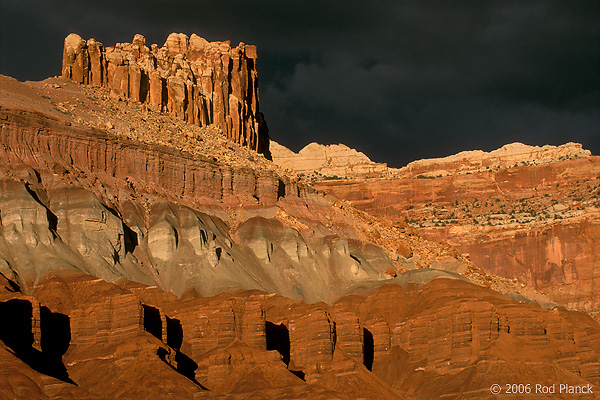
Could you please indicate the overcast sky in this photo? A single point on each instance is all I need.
(397, 80)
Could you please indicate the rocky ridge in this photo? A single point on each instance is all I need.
(329, 162)
(507, 156)
(160, 192)
(316, 162)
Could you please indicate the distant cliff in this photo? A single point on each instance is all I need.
(507, 156)
(201, 82)
(327, 161)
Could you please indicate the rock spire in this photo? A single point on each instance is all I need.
(200, 82)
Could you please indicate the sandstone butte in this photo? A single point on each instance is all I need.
(198, 81)
(143, 255)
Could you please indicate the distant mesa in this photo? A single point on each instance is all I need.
(326, 162)
(507, 156)
(201, 82)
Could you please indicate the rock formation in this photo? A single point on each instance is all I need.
(76, 198)
(152, 192)
(201, 82)
(445, 332)
(144, 255)
(327, 162)
(507, 156)
(524, 213)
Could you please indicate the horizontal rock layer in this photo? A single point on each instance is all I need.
(32, 138)
(77, 198)
(134, 200)
(425, 338)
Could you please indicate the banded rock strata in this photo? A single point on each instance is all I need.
(142, 256)
(530, 215)
(431, 338)
(132, 202)
(76, 198)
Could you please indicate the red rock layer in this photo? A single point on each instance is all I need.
(32, 138)
(444, 339)
(538, 224)
(200, 82)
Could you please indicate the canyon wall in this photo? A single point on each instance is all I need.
(144, 255)
(145, 196)
(535, 222)
(31, 137)
(198, 81)
(425, 338)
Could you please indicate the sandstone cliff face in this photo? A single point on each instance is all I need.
(198, 81)
(200, 238)
(426, 338)
(510, 155)
(155, 200)
(536, 223)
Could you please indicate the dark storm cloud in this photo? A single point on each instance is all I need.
(398, 80)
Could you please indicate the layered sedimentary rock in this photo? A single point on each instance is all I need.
(29, 135)
(535, 222)
(326, 162)
(175, 211)
(462, 337)
(312, 341)
(426, 338)
(116, 319)
(198, 81)
(349, 334)
(182, 193)
(154, 200)
(22, 323)
(230, 278)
